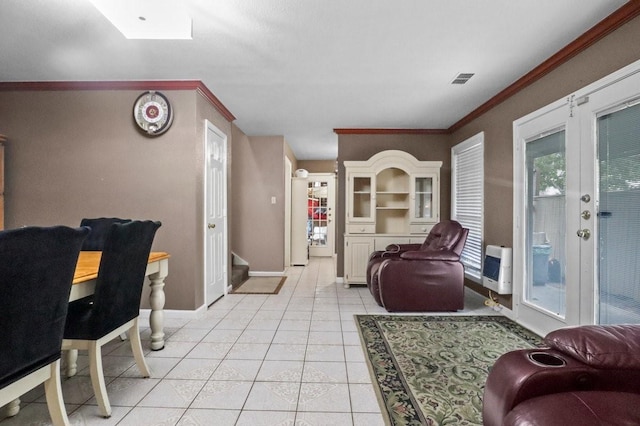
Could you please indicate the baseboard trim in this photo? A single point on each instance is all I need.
(266, 273)
(177, 313)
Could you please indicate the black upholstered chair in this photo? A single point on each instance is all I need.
(99, 228)
(115, 307)
(36, 270)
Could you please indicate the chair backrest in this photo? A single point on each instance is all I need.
(100, 226)
(36, 271)
(446, 235)
(121, 274)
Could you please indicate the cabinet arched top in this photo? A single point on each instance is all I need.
(393, 158)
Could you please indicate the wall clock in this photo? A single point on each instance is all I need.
(152, 113)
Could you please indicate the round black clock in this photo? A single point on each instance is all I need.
(152, 113)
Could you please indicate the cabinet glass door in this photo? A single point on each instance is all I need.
(361, 198)
(423, 205)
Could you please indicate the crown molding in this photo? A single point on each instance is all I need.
(609, 24)
(354, 131)
(121, 85)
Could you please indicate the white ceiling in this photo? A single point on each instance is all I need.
(301, 68)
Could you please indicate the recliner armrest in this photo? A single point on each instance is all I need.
(600, 346)
(430, 255)
(401, 248)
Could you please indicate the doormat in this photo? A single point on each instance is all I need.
(431, 370)
(261, 285)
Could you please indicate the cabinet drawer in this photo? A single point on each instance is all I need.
(422, 228)
(381, 243)
(361, 229)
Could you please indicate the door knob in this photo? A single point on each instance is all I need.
(586, 214)
(585, 198)
(584, 234)
(211, 225)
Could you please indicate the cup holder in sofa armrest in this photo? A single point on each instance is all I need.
(546, 359)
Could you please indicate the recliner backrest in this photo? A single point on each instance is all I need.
(37, 265)
(445, 235)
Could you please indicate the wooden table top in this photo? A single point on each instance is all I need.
(89, 262)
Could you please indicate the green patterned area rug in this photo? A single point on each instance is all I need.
(431, 370)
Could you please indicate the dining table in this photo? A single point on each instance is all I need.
(84, 284)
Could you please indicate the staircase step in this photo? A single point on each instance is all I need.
(239, 274)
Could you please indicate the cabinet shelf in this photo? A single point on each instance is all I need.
(392, 208)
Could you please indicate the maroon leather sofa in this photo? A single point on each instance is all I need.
(421, 277)
(588, 376)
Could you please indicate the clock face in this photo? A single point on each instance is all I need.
(152, 113)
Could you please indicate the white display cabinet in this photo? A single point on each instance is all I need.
(390, 198)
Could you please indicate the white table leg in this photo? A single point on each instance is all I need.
(156, 301)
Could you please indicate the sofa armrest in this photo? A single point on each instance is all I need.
(600, 346)
(443, 255)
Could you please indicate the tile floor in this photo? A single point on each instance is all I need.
(285, 359)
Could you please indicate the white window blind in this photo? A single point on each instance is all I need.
(467, 183)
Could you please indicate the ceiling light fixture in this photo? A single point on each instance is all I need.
(147, 19)
(462, 78)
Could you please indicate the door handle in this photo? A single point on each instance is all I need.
(211, 225)
(584, 234)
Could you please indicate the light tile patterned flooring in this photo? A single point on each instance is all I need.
(285, 359)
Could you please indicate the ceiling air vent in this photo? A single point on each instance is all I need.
(462, 78)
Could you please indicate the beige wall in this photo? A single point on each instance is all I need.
(362, 147)
(258, 175)
(75, 154)
(617, 50)
(318, 166)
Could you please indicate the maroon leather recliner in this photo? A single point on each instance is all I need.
(426, 277)
(588, 376)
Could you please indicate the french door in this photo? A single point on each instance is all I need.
(577, 197)
(320, 212)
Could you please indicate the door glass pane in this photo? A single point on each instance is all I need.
(546, 223)
(619, 216)
(423, 197)
(317, 213)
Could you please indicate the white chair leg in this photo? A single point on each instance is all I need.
(136, 348)
(12, 408)
(97, 379)
(71, 359)
(55, 402)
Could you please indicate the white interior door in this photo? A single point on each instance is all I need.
(577, 175)
(320, 214)
(288, 172)
(215, 214)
